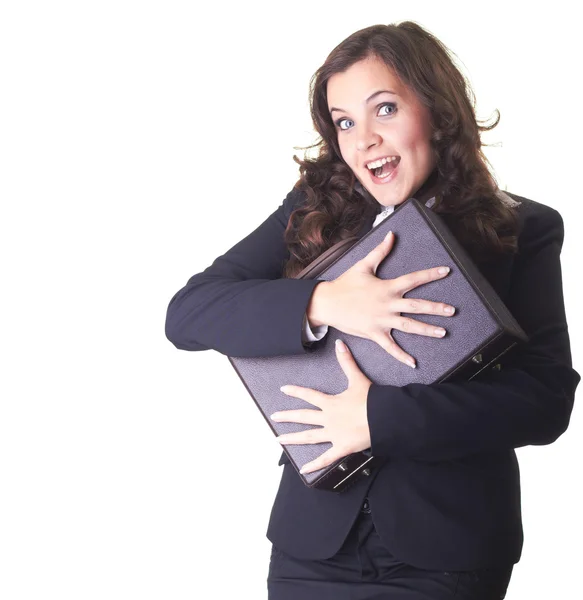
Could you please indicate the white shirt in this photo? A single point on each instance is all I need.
(314, 334)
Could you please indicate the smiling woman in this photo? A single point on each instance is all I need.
(372, 131)
(441, 516)
(393, 91)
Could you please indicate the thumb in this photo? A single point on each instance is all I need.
(347, 362)
(374, 258)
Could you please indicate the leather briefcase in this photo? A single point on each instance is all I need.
(480, 332)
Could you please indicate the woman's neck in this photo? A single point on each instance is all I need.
(429, 189)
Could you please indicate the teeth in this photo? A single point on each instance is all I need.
(381, 162)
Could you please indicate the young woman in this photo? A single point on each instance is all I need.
(442, 516)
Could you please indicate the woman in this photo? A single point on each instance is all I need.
(441, 517)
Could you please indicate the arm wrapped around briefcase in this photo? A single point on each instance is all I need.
(478, 335)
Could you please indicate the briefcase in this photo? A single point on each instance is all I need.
(478, 335)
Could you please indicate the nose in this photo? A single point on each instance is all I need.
(366, 139)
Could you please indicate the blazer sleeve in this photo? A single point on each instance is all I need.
(241, 305)
(528, 402)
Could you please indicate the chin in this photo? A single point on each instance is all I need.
(393, 199)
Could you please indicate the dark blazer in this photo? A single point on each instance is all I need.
(448, 494)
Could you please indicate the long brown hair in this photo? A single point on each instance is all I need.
(468, 198)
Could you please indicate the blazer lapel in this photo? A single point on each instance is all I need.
(366, 226)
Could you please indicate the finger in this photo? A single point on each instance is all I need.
(324, 460)
(309, 395)
(373, 259)
(310, 436)
(386, 341)
(408, 325)
(405, 283)
(425, 307)
(347, 362)
(307, 416)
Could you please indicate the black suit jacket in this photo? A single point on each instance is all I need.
(448, 494)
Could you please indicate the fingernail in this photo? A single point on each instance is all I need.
(275, 416)
(440, 332)
(303, 470)
(340, 346)
(387, 237)
(443, 270)
(284, 389)
(449, 310)
(411, 364)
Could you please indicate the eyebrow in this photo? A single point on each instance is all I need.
(367, 100)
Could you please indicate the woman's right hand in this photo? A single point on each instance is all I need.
(361, 304)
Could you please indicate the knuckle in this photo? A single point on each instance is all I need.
(399, 283)
(392, 286)
(415, 306)
(405, 325)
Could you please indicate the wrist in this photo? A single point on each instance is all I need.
(316, 309)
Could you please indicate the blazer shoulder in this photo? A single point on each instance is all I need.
(530, 210)
(294, 199)
(539, 223)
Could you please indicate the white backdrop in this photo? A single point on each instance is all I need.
(133, 139)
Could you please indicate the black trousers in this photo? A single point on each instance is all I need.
(363, 569)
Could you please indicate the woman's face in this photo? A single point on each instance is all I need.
(388, 125)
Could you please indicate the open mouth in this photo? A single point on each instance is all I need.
(385, 172)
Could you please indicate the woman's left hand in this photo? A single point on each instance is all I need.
(342, 417)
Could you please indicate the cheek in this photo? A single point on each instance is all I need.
(415, 135)
(348, 156)
(345, 153)
(414, 139)
(420, 153)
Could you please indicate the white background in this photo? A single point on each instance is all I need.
(139, 141)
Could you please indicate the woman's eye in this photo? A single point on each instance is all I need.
(391, 104)
(340, 121)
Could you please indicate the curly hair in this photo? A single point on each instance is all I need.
(468, 198)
